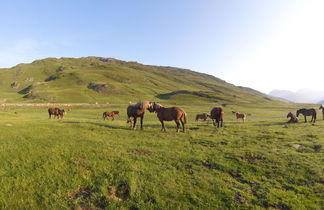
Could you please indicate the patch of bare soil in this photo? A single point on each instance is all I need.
(239, 199)
(253, 158)
(119, 193)
(80, 193)
(141, 152)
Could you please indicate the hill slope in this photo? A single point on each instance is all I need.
(108, 80)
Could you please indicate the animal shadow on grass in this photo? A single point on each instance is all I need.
(98, 124)
(146, 126)
(269, 124)
(193, 128)
(199, 124)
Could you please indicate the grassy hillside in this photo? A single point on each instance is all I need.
(83, 162)
(107, 80)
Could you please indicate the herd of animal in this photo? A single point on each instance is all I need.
(179, 115)
(305, 112)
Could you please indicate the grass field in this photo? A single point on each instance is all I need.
(83, 162)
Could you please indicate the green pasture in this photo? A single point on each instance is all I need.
(83, 162)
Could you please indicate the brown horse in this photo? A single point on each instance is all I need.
(203, 116)
(136, 111)
(110, 114)
(217, 115)
(322, 108)
(169, 114)
(239, 115)
(56, 112)
(293, 118)
(307, 112)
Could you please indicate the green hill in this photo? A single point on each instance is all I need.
(108, 80)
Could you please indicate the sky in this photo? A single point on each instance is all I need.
(262, 44)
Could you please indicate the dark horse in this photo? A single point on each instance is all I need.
(110, 114)
(169, 114)
(322, 108)
(293, 118)
(307, 112)
(217, 115)
(136, 111)
(56, 112)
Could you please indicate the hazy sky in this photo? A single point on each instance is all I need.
(263, 44)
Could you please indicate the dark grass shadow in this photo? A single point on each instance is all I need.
(126, 127)
(99, 124)
(191, 127)
(202, 124)
(236, 122)
(269, 124)
(118, 127)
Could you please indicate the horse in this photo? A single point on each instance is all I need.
(239, 115)
(136, 111)
(203, 116)
(307, 112)
(56, 112)
(322, 108)
(110, 114)
(217, 115)
(293, 118)
(168, 114)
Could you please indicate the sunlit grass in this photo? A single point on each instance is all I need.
(85, 162)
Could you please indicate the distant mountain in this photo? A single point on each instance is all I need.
(320, 102)
(300, 96)
(108, 80)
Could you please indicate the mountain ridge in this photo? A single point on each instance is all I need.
(106, 80)
(300, 96)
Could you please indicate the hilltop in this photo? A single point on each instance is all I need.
(108, 80)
